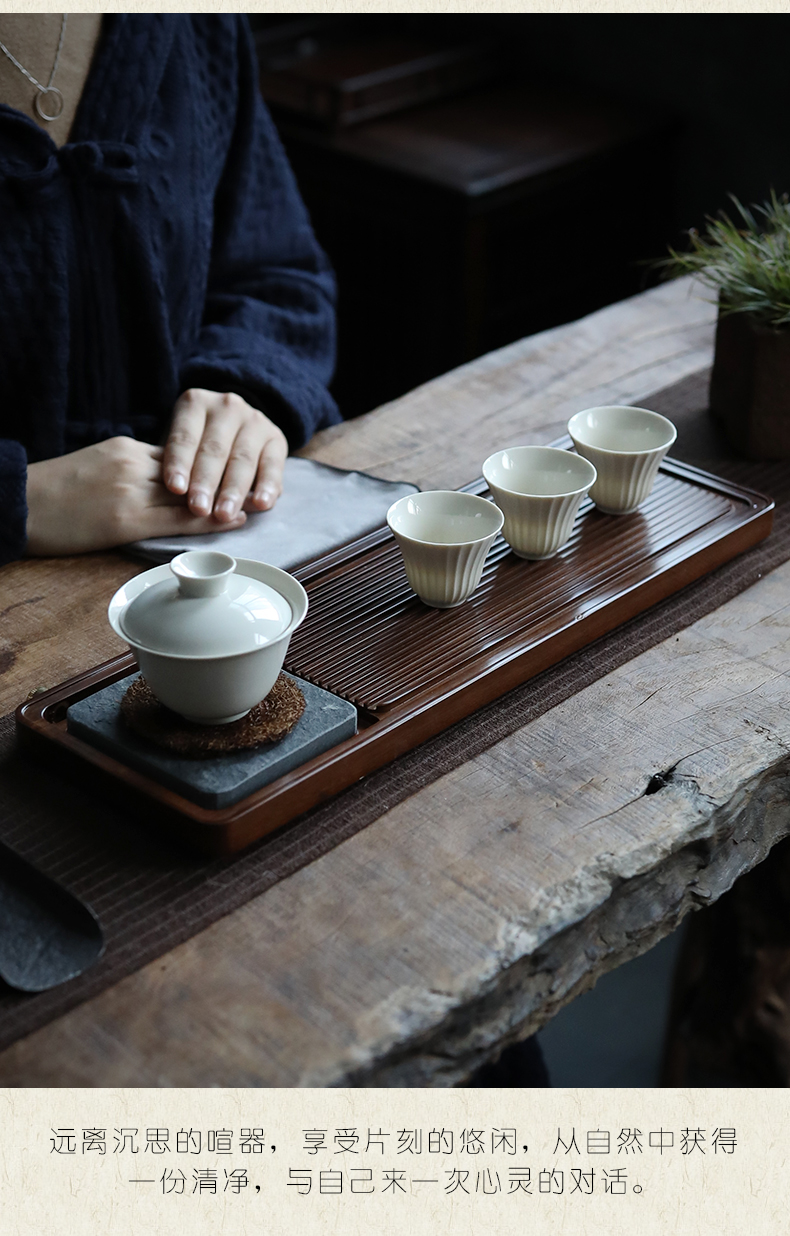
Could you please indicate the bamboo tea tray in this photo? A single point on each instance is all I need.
(412, 671)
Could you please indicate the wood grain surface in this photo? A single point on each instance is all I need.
(467, 915)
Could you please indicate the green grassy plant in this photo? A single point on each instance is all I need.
(746, 262)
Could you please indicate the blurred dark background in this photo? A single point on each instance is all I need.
(475, 179)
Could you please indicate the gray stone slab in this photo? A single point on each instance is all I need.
(214, 781)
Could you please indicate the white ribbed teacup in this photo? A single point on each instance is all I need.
(444, 537)
(539, 490)
(626, 446)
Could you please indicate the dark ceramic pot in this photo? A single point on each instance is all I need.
(750, 386)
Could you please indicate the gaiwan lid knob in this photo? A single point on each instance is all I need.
(205, 610)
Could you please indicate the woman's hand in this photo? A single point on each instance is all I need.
(222, 454)
(106, 495)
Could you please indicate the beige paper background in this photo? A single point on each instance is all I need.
(418, 6)
(80, 1194)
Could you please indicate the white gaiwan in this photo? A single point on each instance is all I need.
(209, 632)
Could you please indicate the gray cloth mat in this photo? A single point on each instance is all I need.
(150, 896)
(47, 936)
(320, 509)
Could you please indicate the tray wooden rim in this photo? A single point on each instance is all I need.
(226, 830)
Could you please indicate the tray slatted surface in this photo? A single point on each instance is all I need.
(372, 641)
(413, 671)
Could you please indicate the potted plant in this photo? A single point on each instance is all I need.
(747, 262)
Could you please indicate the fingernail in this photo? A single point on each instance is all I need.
(226, 508)
(200, 502)
(178, 481)
(267, 494)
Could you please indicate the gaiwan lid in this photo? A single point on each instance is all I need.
(205, 610)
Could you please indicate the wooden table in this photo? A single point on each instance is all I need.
(465, 917)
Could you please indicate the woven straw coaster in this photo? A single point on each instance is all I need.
(267, 722)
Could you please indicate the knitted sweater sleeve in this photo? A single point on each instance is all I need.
(268, 330)
(13, 505)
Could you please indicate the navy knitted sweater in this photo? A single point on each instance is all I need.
(165, 246)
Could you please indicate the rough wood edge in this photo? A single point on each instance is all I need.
(729, 840)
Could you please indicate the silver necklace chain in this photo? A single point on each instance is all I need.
(49, 89)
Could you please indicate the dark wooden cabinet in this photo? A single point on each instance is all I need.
(460, 225)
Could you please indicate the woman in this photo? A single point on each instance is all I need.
(159, 283)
